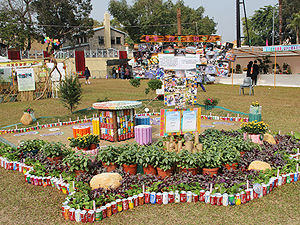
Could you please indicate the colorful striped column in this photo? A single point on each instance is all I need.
(143, 134)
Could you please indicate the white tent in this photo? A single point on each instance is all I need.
(3, 59)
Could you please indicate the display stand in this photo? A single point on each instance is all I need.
(116, 119)
(255, 113)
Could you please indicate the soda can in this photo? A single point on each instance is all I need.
(268, 188)
(213, 200)
(72, 214)
(177, 197)
(195, 198)
(231, 200)
(91, 216)
(104, 212)
(283, 179)
(201, 196)
(159, 198)
(207, 197)
(275, 181)
(119, 205)
(288, 178)
(40, 179)
(66, 214)
(130, 203)
(98, 216)
(108, 210)
(182, 196)
(165, 198)
(225, 199)
(264, 189)
(243, 197)
(219, 199)
(63, 209)
(171, 197)
(141, 199)
(295, 176)
(147, 197)
(189, 196)
(114, 208)
(135, 200)
(83, 216)
(271, 186)
(279, 180)
(125, 204)
(32, 179)
(36, 181)
(153, 198)
(77, 215)
(255, 195)
(292, 177)
(52, 181)
(247, 195)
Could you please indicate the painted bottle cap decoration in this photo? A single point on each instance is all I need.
(257, 188)
(117, 105)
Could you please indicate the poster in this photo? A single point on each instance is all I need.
(189, 121)
(173, 122)
(26, 80)
(5, 75)
(171, 62)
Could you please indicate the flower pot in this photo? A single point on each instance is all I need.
(83, 149)
(55, 159)
(242, 153)
(79, 172)
(189, 170)
(131, 169)
(93, 146)
(110, 167)
(163, 173)
(230, 166)
(256, 138)
(211, 172)
(209, 107)
(150, 170)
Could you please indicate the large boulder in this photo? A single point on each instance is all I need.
(106, 181)
(269, 138)
(259, 165)
(26, 119)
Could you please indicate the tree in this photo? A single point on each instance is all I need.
(15, 23)
(157, 17)
(261, 27)
(64, 19)
(295, 25)
(70, 92)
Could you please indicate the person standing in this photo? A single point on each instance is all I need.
(255, 73)
(87, 75)
(113, 71)
(249, 69)
(127, 73)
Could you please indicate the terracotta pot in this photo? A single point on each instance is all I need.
(211, 172)
(163, 173)
(79, 172)
(55, 159)
(84, 149)
(193, 170)
(232, 166)
(242, 153)
(150, 170)
(130, 168)
(110, 167)
(93, 146)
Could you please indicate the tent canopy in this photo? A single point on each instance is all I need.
(116, 62)
(3, 59)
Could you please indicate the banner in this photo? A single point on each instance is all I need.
(281, 48)
(26, 80)
(180, 38)
(21, 63)
(5, 75)
(168, 61)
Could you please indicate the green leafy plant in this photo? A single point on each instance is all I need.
(70, 92)
(54, 149)
(167, 160)
(31, 146)
(211, 101)
(77, 161)
(28, 110)
(109, 154)
(148, 155)
(128, 154)
(186, 159)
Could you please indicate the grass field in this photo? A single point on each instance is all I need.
(22, 203)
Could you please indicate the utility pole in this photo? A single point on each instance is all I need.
(179, 25)
(238, 24)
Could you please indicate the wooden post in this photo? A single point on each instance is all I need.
(232, 71)
(275, 71)
(179, 25)
(115, 125)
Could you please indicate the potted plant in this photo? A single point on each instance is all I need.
(128, 158)
(54, 151)
(148, 157)
(31, 113)
(254, 130)
(93, 139)
(230, 157)
(210, 103)
(166, 163)
(109, 157)
(80, 142)
(31, 146)
(77, 162)
(187, 161)
(210, 160)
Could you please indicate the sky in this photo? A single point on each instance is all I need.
(222, 12)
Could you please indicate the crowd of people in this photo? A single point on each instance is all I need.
(121, 72)
(253, 71)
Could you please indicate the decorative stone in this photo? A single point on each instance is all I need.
(259, 165)
(106, 181)
(26, 119)
(269, 138)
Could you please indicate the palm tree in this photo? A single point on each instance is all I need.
(295, 25)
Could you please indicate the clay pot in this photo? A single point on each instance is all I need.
(232, 166)
(211, 172)
(93, 146)
(193, 170)
(79, 172)
(83, 149)
(131, 169)
(110, 167)
(150, 170)
(242, 153)
(55, 159)
(163, 173)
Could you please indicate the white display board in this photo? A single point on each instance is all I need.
(171, 62)
(26, 80)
